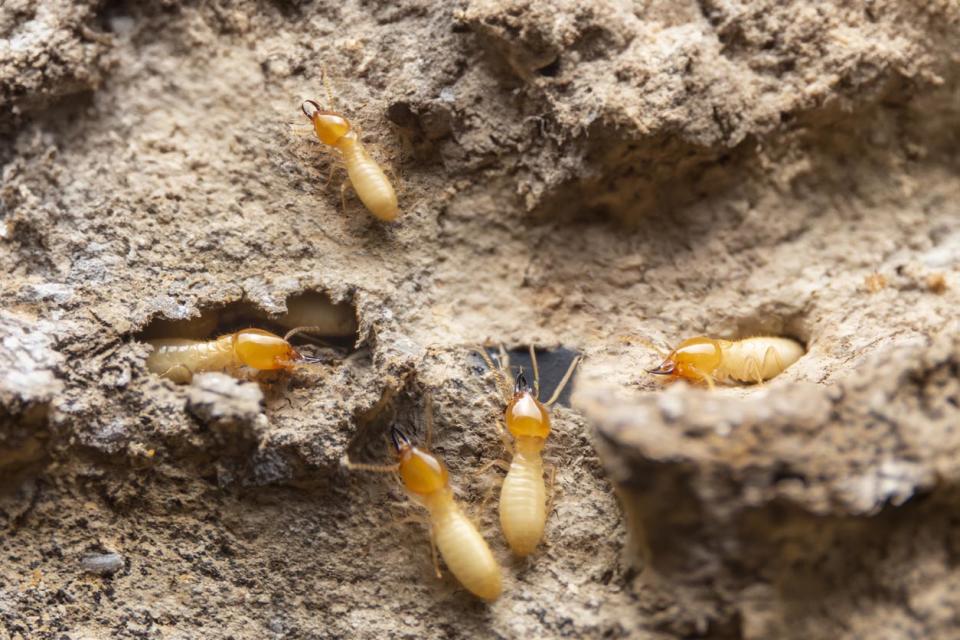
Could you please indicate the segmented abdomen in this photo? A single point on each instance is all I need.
(758, 359)
(523, 511)
(465, 552)
(178, 359)
(370, 182)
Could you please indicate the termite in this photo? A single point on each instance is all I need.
(426, 480)
(179, 358)
(703, 359)
(368, 179)
(523, 504)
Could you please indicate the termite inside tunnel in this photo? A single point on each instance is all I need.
(330, 328)
(334, 322)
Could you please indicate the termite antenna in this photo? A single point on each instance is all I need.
(310, 108)
(325, 76)
(400, 441)
(521, 383)
(312, 332)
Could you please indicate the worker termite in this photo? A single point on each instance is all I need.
(523, 506)
(179, 358)
(749, 360)
(426, 480)
(368, 179)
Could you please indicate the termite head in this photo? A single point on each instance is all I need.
(330, 127)
(695, 359)
(525, 415)
(259, 349)
(422, 473)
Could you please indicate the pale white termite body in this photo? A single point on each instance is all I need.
(523, 495)
(754, 359)
(462, 548)
(368, 179)
(179, 358)
(523, 498)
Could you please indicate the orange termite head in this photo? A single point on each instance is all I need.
(525, 415)
(259, 349)
(695, 359)
(421, 472)
(331, 127)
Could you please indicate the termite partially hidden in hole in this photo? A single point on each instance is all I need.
(426, 480)
(368, 179)
(179, 358)
(523, 504)
(703, 359)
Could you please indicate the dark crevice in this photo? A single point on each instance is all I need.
(336, 322)
(552, 363)
(551, 70)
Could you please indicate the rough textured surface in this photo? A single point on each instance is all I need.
(597, 177)
(796, 493)
(49, 50)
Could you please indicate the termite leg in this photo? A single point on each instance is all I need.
(501, 464)
(753, 370)
(433, 553)
(758, 369)
(333, 169)
(242, 373)
(335, 161)
(776, 359)
(489, 493)
(505, 438)
(343, 194)
(564, 381)
(536, 372)
(709, 379)
(397, 178)
(551, 485)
